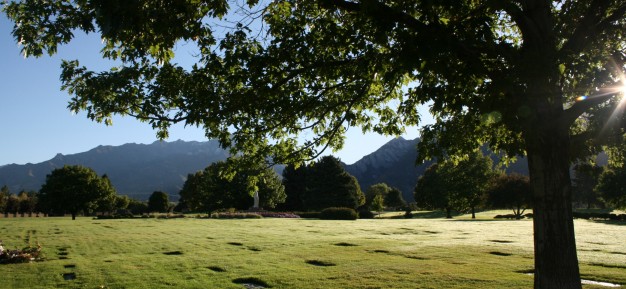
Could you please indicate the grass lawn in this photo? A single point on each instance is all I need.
(296, 253)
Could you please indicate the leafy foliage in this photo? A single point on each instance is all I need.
(510, 191)
(211, 189)
(329, 185)
(338, 213)
(585, 182)
(455, 183)
(534, 77)
(612, 186)
(159, 202)
(73, 189)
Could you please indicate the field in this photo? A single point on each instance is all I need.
(296, 253)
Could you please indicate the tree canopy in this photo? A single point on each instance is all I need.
(511, 192)
(329, 185)
(612, 186)
(159, 202)
(211, 189)
(74, 189)
(535, 77)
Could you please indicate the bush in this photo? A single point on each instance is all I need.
(599, 216)
(277, 215)
(366, 214)
(308, 215)
(236, 216)
(338, 214)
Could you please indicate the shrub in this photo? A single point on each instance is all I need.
(236, 216)
(366, 214)
(308, 215)
(277, 215)
(340, 213)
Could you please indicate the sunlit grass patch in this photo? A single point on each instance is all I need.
(131, 255)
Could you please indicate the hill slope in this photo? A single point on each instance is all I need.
(134, 169)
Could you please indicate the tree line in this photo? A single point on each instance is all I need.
(459, 184)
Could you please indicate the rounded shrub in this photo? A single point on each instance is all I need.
(366, 214)
(338, 214)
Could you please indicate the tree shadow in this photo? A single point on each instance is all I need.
(433, 214)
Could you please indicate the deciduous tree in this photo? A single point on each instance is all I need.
(612, 186)
(73, 189)
(159, 202)
(511, 192)
(585, 180)
(534, 77)
(212, 189)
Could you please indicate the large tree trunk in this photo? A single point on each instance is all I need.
(556, 263)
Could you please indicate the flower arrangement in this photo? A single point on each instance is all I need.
(19, 256)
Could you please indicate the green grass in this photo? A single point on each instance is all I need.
(296, 253)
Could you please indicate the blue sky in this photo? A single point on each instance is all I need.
(35, 123)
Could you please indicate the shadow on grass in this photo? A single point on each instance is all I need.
(433, 214)
(320, 263)
(251, 282)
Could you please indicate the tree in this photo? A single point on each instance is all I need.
(137, 207)
(12, 206)
(378, 203)
(431, 191)
(121, 202)
(329, 185)
(612, 186)
(394, 199)
(4, 195)
(28, 202)
(159, 202)
(107, 202)
(458, 183)
(510, 191)
(585, 182)
(294, 181)
(73, 189)
(211, 189)
(468, 179)
(532, 77)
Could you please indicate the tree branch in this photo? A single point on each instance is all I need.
(571, 114)
(591, 27)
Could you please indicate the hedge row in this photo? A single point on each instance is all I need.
(600, 216)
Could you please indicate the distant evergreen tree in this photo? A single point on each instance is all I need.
(329, 185)
(294, 181)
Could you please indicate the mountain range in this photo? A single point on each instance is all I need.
(137, 170)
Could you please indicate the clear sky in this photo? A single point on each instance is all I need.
(35, 123)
